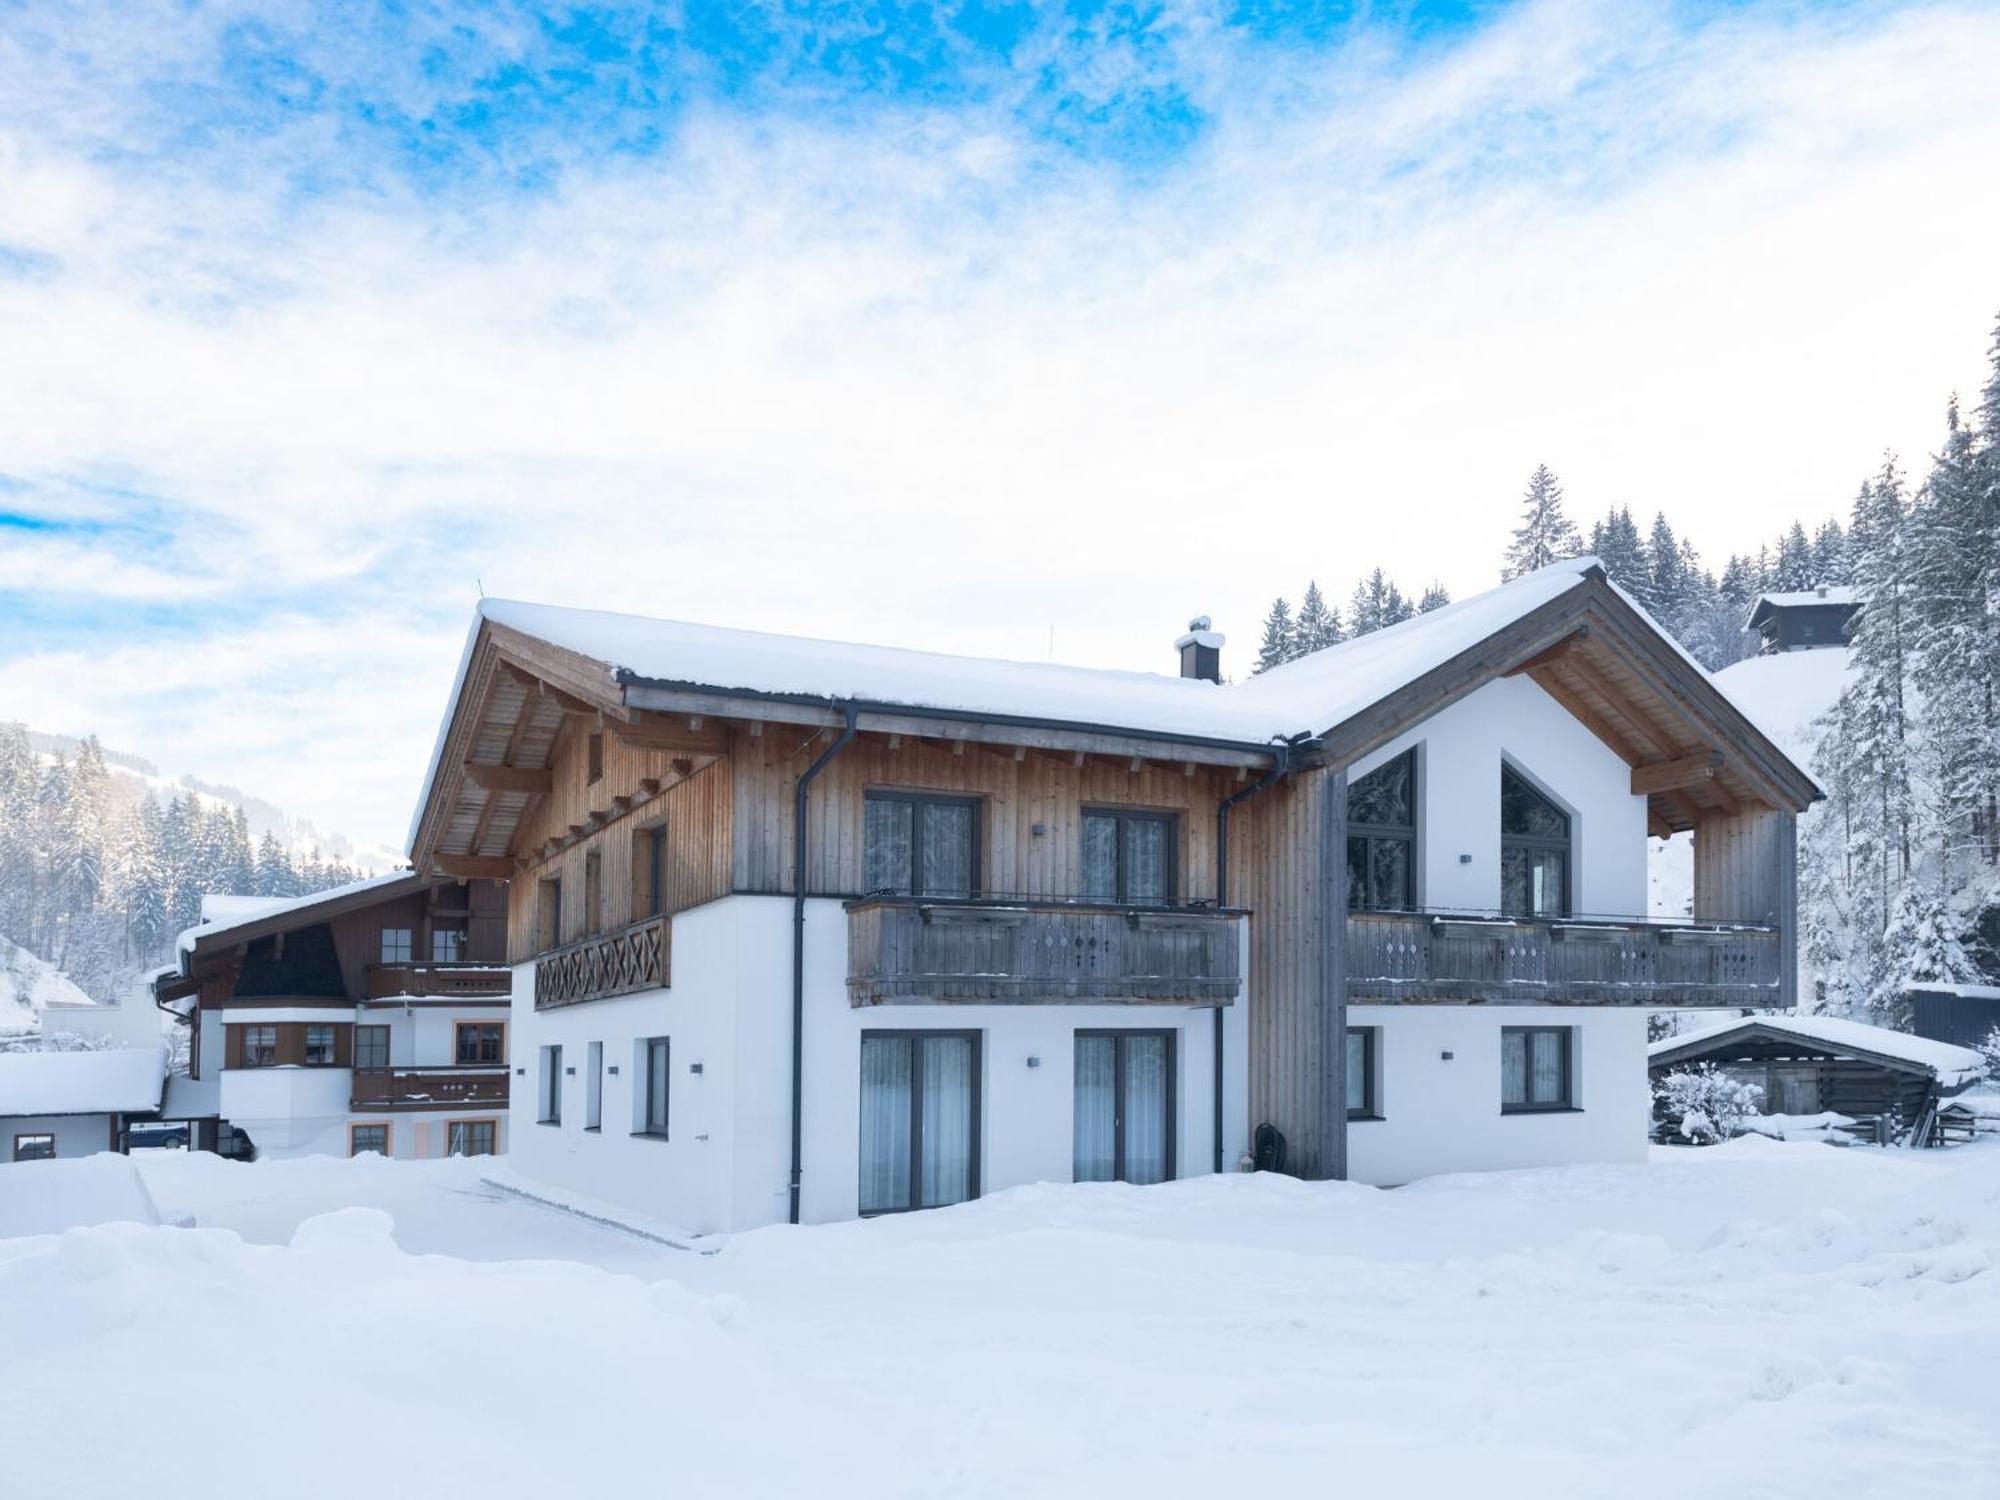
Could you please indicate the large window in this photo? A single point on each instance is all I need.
(1363, 1064)
(320, 1046)
(549, 1108)
(470, 1138)
(1128, 856)
(921, 845)
(396, 945)
(260, 1046)
(480, 1042)
(362, 1138)
(593, 1086)
(919, 1119)
(1534, 850)
(36, 1147)
(1382, 837)
(1535, 1068)
(371, 1046)
(1124, 1106)
(447, 945)
(655, 1072)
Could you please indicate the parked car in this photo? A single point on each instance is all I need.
(161, 1133)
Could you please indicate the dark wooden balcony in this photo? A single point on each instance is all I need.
(1415, 955)
(1040, 952)
(438, 981)
(632, 958)
(462, 1087)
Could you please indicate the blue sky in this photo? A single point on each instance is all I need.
(963, 325)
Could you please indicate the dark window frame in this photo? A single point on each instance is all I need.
(1529, 1104)
(653, 839)
(449, 937)
(548, 1085)
(1362, 897)
(594, 758)
(499, 1038)
(407, 947)
(658, 1052)
(976, 1136)
(372, 1030)
(548, 913)
(1172, 1102)
(1122, 890)
(1370, 1107)
(35, 1135)
(920, 801)
(1536, 843)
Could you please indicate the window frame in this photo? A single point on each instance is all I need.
(548, 1085)
(458, 1030)
(593, 892)
(454, 937)
(492, 1128)
(649, 871)
(1172, 1101)
(332, 1057)
(250, 1029)
(1538, 844)
(1370, 1107)
(371, 1027)
(35, 1135)
(1121, 885)
(408, 945)
(1530, 1105)
(920, 801)
(594, 758)
(1369, 834)
(387, 1127)
(657, 1055)
(976, 1136)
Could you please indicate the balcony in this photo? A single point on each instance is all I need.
(632, 958)
(1416, 955)
(904, 951)
(461, 981)
(462, 1087)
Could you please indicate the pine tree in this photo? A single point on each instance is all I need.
(1434, 597)
(1830, 567)
(1878, 722)
(1377, 602)
(1794, 569)
(1615, 542)
(1280, 645)
(1318, 624)
(1545, 534)
(146, 914)
(1671, 591)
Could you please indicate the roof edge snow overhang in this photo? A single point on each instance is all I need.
(1757, 1028)
(216, 939)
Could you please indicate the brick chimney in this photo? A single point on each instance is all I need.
(1201, 651)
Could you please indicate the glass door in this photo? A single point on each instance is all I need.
(1124, 1106)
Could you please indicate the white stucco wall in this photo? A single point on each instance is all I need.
(76, 1135)
(726, 1163)
(1442, 1115)
(1460, 751)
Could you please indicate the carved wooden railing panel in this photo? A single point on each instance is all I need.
(429, 1088)
(1024, 953)
(611, 963)
(448, 981)
(1434, 956)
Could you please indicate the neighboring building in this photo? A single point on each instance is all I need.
(372, 1017)
(1804, 621)
(1962, 1014)
(1888, 1082)
(64, 1104)
(804, 929)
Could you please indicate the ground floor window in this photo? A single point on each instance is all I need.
(1363, 1062)
(34, 1147)
(362, 1138)
(550, 1087)
(1124, 1106)
(919, 1119)
(470, 1138)
(655, 1056)
(1535, 1068)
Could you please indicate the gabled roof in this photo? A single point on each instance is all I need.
(1832, 594)
(1953, 1067)
(117, 1080)
(526, 665)
(240, 919)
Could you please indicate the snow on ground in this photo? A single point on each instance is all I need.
(1762, 1318)
(28, 986)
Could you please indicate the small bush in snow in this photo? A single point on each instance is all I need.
(1710, 1105)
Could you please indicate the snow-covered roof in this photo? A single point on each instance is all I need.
(120, 1079)
(1833, 593)
(1955, 1066)
(222, 914)
(1965, 991)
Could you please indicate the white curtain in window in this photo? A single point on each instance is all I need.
(1513, 1067)
(1357, 1071)
(1145, 1108)
(947, 851)
(1100, 858)
(1549, 1084)
(1145, 860)
(1096, 1108)
(886, 845)
(947, 1120)
(885, 1124)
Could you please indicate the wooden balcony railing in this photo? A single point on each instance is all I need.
(638, 957)
(429, 1088)
(901, 950)
(1606, 961)
(444, 981)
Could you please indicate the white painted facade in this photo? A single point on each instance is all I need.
(725, 1164)
(76, 1135)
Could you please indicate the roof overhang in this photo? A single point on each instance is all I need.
(227, 940)
(1754, 1033)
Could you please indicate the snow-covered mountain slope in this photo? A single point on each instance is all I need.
(28, 986)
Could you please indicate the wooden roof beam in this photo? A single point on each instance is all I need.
(684, 734)
(1674, 775)
(471, 867)
(509, 778)
(1562, 649)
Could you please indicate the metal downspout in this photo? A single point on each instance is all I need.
(799, 796)
(1269, 779)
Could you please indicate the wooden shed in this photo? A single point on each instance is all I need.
(1888, 1083)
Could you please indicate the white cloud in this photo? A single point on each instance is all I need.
(920, 384)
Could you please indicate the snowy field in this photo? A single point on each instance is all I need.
(1765, 1319)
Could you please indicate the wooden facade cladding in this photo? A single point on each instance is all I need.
(903, 952)
(291, 1042)
(438, 981)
